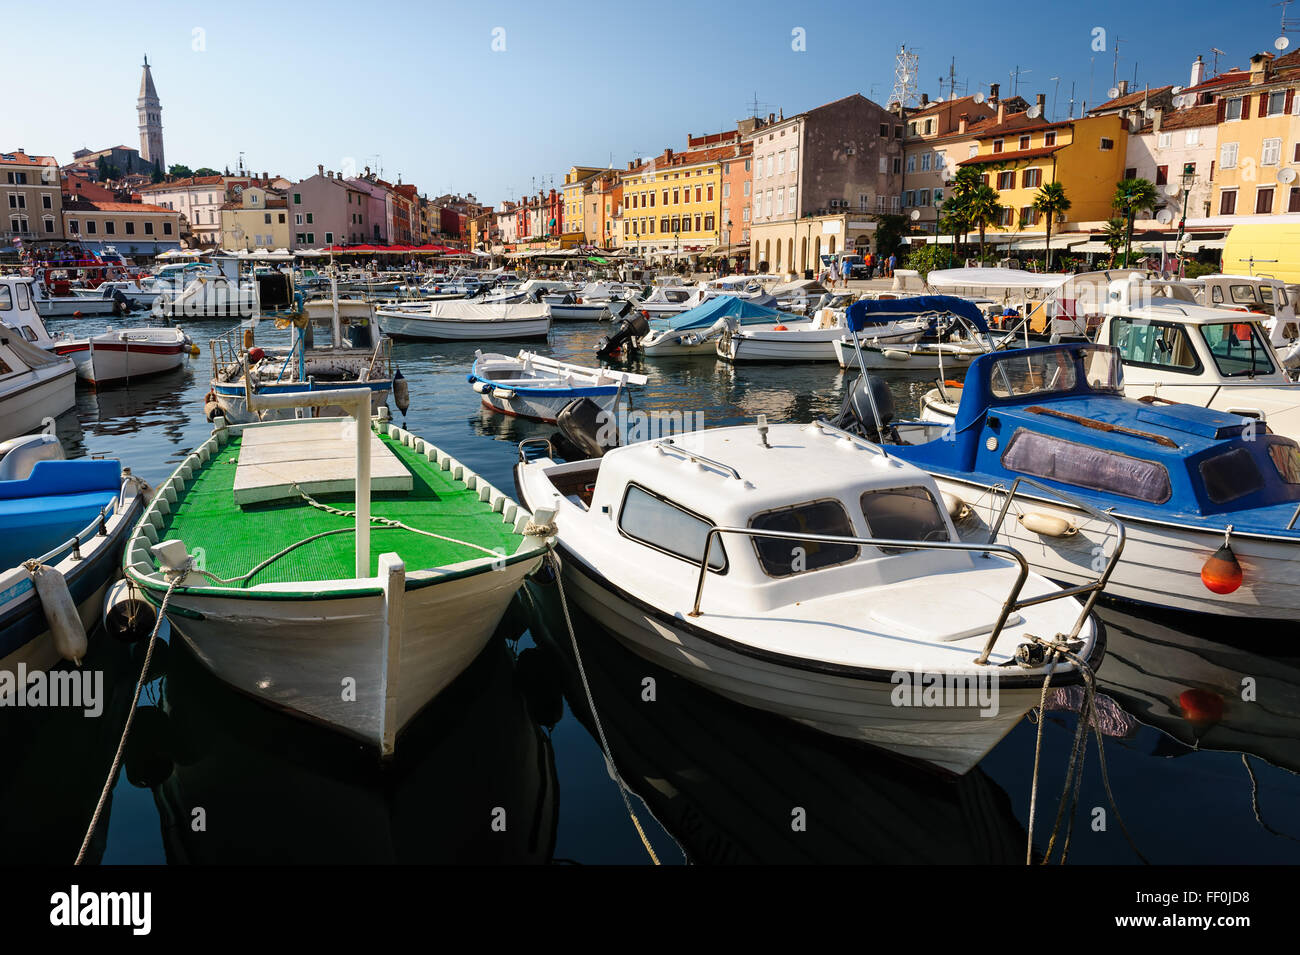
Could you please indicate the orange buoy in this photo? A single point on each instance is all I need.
(779, 328)
(1221, 574)
(77, 314)
(1201, 707)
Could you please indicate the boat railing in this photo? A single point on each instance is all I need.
(226, 360)
(98, 527)
(383, 355)
(668, 446)
(1094, 589)
(1010, 605)
(530, 449)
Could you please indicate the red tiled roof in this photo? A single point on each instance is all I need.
(1010, 156)
(1130, 99)
(22, 159)
(1230, 78)
(95, 205)
(961, 102)
(1018, 123)
(182, 183)
(1185, 118)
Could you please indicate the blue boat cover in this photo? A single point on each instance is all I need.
(58, 499)
(724, 306)
(876, 311)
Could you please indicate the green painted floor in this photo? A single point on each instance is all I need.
(236, 539)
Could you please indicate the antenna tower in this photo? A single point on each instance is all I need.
(905, 68)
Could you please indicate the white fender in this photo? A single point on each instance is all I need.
(1048, 525)
(957, 509)
(893, 354)
(68, 634)
(127, 615)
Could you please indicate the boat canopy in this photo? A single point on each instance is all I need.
(743, 310)
(878, 311)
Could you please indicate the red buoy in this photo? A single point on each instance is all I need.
(1201, 707)
(779, 328)
(1221, 574)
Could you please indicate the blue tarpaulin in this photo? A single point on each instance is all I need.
(877, 311)
(724, 306)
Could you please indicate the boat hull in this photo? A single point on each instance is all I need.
(102, 363)
(41, 394)
(415, 326)
(903, 358)
(546, 408)
(579, 313)
(277, 650)
(75, 307)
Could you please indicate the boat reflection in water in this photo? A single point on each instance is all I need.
(56, 758)
(736, 785)
(1204, 692)
(273, 789)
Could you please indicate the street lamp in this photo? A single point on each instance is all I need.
(1186, 181)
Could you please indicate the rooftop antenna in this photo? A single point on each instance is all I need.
(1114, 70)
(1214, 71)
(1056, 93)
(1071, 116)
(1015, 79)
(905, 69)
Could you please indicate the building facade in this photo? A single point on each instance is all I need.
(936, 137)
(33, 198)
(673, 203)
(255, 218)
(131, 228)
(325, 209)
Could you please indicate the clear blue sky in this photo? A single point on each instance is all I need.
(419, 86)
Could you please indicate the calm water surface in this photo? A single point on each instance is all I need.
(1199, 774)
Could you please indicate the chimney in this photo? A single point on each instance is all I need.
(771, 118)
(1123, 87)
(1259, 68)
(925, 99)
(629, 165)
(1002, 111)
(320, 169)
(993, 93)
(1159, 118)
(1041, 102)
(668, 155)
(1198, 72)
(962, 120)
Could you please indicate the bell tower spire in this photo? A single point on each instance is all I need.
(149, 113)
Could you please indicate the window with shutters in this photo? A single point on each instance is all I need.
(997, 145)
(911, 164)
(1162, 175)
(1276, 103)
(1006, 180)
(1164, 141)
(1233, 109)
(1271, 154)
(1264, 200)
(1031, 178)
(1228, 156)
(1024, 142)
(1192, 138)
(1228, 202)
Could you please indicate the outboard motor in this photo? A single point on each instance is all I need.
(121, 304)
(618, 308)
(585, 431)
(856, 416)
(624, 337)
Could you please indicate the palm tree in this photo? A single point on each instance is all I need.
(984, 210)
(960, 189)
(1131, 196)
(1050, 202)
(1116, 230)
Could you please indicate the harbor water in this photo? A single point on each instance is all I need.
(1200, 725)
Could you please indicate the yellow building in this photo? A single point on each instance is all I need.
(1085, 155)
(578, 182)
(1257, 134)
(673, 203)
(258, 218)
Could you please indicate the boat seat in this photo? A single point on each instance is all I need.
(64, 477)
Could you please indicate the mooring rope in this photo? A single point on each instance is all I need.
(130, 716)
(557, 568)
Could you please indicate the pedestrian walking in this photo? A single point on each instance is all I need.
(869, 261)
(892, 260)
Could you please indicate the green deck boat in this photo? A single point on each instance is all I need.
(284, 592)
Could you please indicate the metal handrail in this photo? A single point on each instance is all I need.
(697, 458)
(1093, 590)
(863, 443)
(528, 442)
(1011, 604)
(97, 526)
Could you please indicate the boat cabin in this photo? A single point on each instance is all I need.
(18, 310)
(660, 498)
(1256, 293)
(1058, 414)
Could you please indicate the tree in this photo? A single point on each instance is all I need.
(890, 230)
(1114, 237)
(1050, 202)
(926, 258)
(1132, 196)
(984, 210)
(207, 171)
(955, 209)
(178, 171)
(156, 176)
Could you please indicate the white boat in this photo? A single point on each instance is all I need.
(570, 307)
(809, 339)
(537, 387)
(121, 354)
(57, 300)
(224, 294)
(799, 570)
(356, 357)
(465, 321)
(287, 600)
(35, 385)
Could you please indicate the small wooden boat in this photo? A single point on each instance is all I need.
(465, 321)
(71, 518)
(278, 589)
(799, 570)
(121, 354)
(537, 387)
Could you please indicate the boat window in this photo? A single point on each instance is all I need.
(1230, 475)
(1081, 465)
(657, 522)
(1153, 344)
(905, 514)
(4, 368)
(24, 298)
(1033, 374)
(1243, 294)
(6, 299)
(1237, 349)
(781, 557)
(1286, 458)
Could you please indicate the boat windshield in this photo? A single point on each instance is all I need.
(1237, 349)
(1053, 372)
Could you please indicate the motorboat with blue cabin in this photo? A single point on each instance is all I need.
(695, 331)
(804, 571)
(957, 334)
(1210, 500)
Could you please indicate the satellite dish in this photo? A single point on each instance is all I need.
(1176, 90)
(1281, 43)
(1034, 111)
(945, 172)
(1286, 176)
(1172, 189)
(978, 97)
(938, 99)
(1150, 112)
(1177, 101)
(916, 214)
(1164, 217)
(1113, 92)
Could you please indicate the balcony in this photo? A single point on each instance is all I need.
(888, 205)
